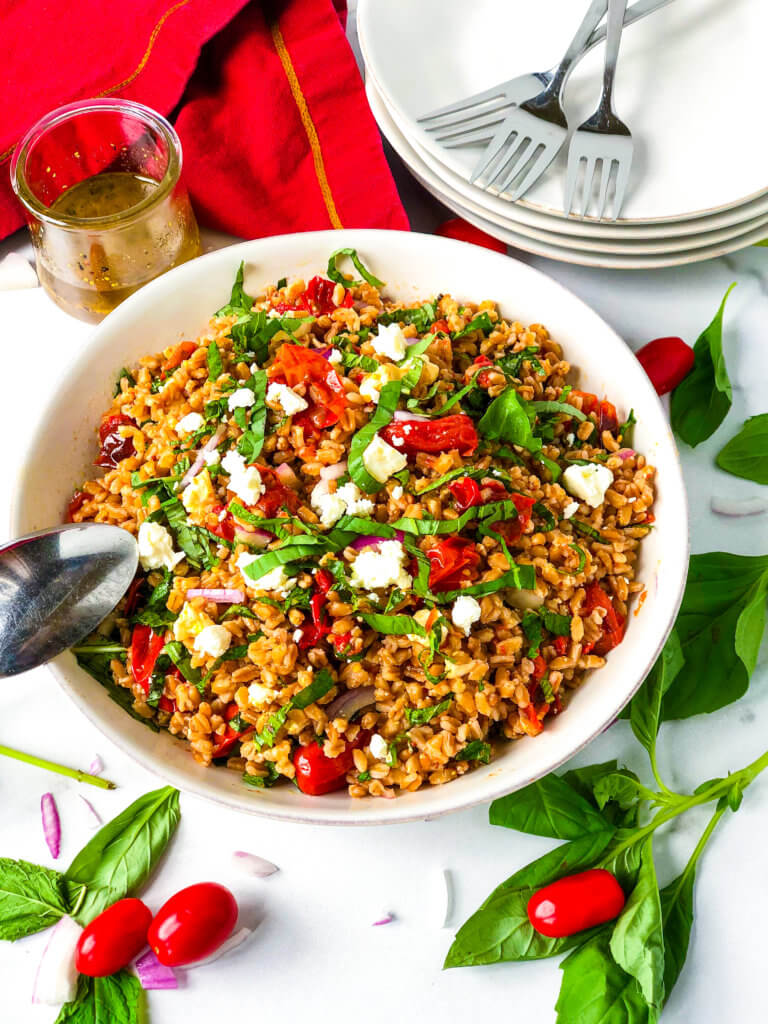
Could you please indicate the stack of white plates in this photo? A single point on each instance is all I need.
(690, 85)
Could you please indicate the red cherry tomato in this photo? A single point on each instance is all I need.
(440, 325)
(146, 646)
(276, 495)
(192, 924)
(465, 232)
(576, 903)
(79, 498)
(224, 742)
(317, 774)
(182, 351)
(132, 596)
(561, 644)
(114, 447)
(453, 561)
(513, 529)
(666, 361)
(295, 365)
(434, 436)
(317, 298)
(113, 938)
(223, 527)
(466, 493)
(605, 411)
(613, 624)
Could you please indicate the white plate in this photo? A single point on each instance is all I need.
(689, 85)
(660, 242)
(558, 248)
(178, 304)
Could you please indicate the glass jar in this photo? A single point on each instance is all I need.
(100, 182)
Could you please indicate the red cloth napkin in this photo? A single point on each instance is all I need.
(276, 132)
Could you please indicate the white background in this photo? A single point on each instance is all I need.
(315, 954)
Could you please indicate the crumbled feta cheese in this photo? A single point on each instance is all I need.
(334, 357)
(277, 580)
(258, 694)
(213, 641)
(190, 423)
(244, 481)
(588, 482)
(397, 492)
(156, 548)
(378, 747)
(190, 623)
(390, 342)
(370, 386)
(297, 635)
(233, 463)
(466, 612)
(569, 439)
(356, 504)
(285, 399)
(243, 562)
(330, 507)
(570, 509)
(382, 460)
(381, 566)
(211, 458)
(243, 398)
(198, 495)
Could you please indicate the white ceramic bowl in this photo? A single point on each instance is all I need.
(177, 306)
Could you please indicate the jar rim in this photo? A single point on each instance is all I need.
(69, 112)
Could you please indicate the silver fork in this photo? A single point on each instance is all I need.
(603, 138)
(531, 134)
(475, 118)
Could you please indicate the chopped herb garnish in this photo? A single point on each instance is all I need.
(475, 751)
(155, 613)
(263, 782)
(586, 529)
(123, 375)
(626, 428)
(390, 395)
(179, 655)
(420, 716)
(422, 317)
(252, 441)
(335, 274)
(482, 322)
(511, 364)
(215, 365)
(322, 683)
(282, 283)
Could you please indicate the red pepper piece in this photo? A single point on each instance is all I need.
(166, 704)
(146, 646)
(132, 596)
(576, 903)
(276, 495)
(453, 561)
(458, 228)
(323, 580)
(561, 644)
(613, 624)
(666, 361)
(440, 325)
(434, 436)
(224, 742)
(114, 447)
(317, 774)
(466, 493)
(295, 365)
(224, 528)
(182, 351)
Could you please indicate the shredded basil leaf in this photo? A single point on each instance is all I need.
(390, 395)
(393, 625)
(519, 577)
(420, 716)
(239, 300)
(123, 375)
(492, 512)
(418, 348)
(256, 781)
(275, 722)
(179, 655)
(550, 522)
(236, 610)
(626, 428)
(553, 467)
(586, 529)
(555, 407)
(482, 323)
(475, 751)
(252, 441)
(335, 274)
(506, 419)
(155, 613)
(282, 283)
(511, 364)
(215, 365)
(322, 683)
(421, 317)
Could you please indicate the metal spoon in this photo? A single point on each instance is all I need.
(56, 586)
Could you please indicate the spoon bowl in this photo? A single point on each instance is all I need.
(56, 586)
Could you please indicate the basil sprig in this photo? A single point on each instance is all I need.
(746, 454)
(335, 274)
(390, 396)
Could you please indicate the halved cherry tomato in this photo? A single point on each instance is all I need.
(182, 351)
(192, 924)
(482, 377)
(79, 498)
(466, 493)
(114, 447)
(513, 529)
(440, 325)
(317, 298)
(224, 742)
(146, 646)
(224, 527)
(666, 361)
(453, 561)
(113, 938)
(465, 232)
(604, 410)
(434, 436)
(276, 495)
(576, 903)
(317, 774)
(295, 365)
(613, 624)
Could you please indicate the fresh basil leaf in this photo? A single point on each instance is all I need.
(548, 807)
(275, 722)
(193, 540)
(122, 854)
(500, 929)
(626, 429)
(420, 316)
(584, 780)
(389, 397)
(746, 455)
(257, 782)
(322, 683)
(413, 376)
(621, 787)
(253, 332)
(335, 274)
(720, 627)
(215, 365)
(595, 990)
(420, 716)
(645, 709)
(123, 375)
(417, 349)
(701, 401)
(677, 920)
(393, 625)
(505, 419)
(295, 550)
(582, 561)
(519, 577)
(31, 898)
(586, 529)
(239, 300)
(351, 360)
(549, 464)
(114, 999)
(533, 628)
(476, 750)
(482, 322)
(637, 941)
(252, 441)
(155, 612)
(512, 363)
(421, 580)
(557, 407)
(182, 659)
(235, 610)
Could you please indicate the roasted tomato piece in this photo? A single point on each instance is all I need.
(295, 365)
(613, 624)
(605, 411)
(223, 743)
(513, 529)
(146, 646)
(182, 351)
(114, 447)
(276, 495)
(433, 436)
(466, 493)
(317, 774)
(79, 498)
(453, 561)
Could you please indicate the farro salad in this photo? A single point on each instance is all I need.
(375, 540)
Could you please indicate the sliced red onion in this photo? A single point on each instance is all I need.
(56, 978)
(254, 865)
(325, 352)
(152, 974)
(350, 702)
(253, 538)
(387, 919)
(448, 903)
(96, 766)
(739, 506)
(403, 416)
(334, 472)
(626, 453)
(199, 462)
(91, 808)
(221, 595)
(286, 476)
(236, 939)
(366, 542)
(51, 824)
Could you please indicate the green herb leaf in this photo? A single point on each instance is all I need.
(215, 365)
(476, 750)
(257, 782)
(637, 941)
(235, 610)
(512, 364)
(557, 407)
(420, 316)
(621, 787)
(252, 441)
(420, 716)
(586, 529)
(239, 300)
(335, 274)
(505, 419)
(519, 577)
(393, 625)
(97, 665)
(276, 721)
(322, 683)
(548, 807)
(182, 659)
(123, 375)
(645, 709)
(595, 990)
(746, 455)
(701, 401)
(31, 898)
(677, 918)
(114, 999)
(296, 549)
(155, 612)
(122, 854)
(482, 322)
(389, 397)
(626, 429)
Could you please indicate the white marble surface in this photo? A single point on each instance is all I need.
(314, 954)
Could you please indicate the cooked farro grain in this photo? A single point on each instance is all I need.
(380, 535)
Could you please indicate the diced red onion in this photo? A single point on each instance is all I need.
(335, 471)
(253, 538)
(403, 416)
(197, 465)
(412, 341)
(325, 352)
(236, 939)
(91, 808)
(152, 974)
(448, 898)
(221, 595)
(351, 701)
(366, 542)
(96, 766)
(286, 476)
(56, 978)
(254, 865)
(739, 506)
(626, 453)
(387, 919)
(51, 824)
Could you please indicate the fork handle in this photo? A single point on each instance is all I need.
(634, 13)
(578, 45)
(614, 26)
